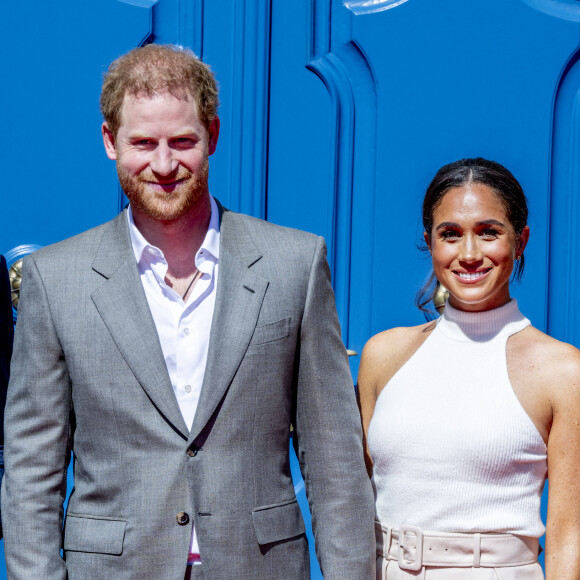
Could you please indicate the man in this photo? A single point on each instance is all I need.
(6, 336)
(171, 350)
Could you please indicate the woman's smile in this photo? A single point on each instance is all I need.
(472, 277)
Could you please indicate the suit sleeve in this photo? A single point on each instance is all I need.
(37, 449)
(328, 438)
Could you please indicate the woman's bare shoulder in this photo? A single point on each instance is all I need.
(386, 352)
(552, 362)
(546, 349)
(399, 338)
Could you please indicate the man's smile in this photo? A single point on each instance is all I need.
(165, 184)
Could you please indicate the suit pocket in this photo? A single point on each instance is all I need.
(277, 522)
(84, 533)
(271, 332)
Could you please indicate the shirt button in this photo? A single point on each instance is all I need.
(186, 331)
(182, 518)
(187, 388)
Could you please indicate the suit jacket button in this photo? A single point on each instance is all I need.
(192, 452)
(182, 518)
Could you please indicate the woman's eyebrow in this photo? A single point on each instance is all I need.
(447, 225)
(490, 222)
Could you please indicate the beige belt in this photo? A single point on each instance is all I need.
(413, 549)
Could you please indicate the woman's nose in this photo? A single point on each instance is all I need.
(470, 249)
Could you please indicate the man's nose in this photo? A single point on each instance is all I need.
(164, 161)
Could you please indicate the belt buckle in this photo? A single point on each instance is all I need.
(404, 564)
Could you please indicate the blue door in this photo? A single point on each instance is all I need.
(368, 98)
(335, 115)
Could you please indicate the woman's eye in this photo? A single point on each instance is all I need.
(450, 235)
(489, 233)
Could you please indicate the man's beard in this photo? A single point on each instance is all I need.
(160, 205)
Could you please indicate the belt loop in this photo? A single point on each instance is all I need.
(477, 550)
(387, 535)
(383, 535)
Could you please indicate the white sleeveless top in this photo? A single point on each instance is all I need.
(453, 449)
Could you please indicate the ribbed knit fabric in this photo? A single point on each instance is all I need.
(453, 449)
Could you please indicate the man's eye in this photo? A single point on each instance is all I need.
(183, 142)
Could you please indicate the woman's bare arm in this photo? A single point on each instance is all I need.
(563, 524)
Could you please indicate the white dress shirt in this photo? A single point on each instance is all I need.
(183, 327)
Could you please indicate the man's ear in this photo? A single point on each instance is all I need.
(213, 134)
(109, 142)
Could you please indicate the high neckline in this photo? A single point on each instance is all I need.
(482, 326)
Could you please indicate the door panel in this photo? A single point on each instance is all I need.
(564, 212)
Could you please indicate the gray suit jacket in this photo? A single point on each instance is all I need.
(89, 376)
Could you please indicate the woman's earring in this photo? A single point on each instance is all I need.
(440, 297)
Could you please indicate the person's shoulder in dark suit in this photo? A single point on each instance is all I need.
(6, 336)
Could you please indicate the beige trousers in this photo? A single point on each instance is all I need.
(389, 570)
(410, 554)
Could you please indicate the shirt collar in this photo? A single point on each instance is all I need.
(209, 249)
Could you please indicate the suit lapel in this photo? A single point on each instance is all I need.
(122, 304)
(239, 299)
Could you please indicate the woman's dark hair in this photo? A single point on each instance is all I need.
(464, 172)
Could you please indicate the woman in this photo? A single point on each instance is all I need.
(465, 417)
